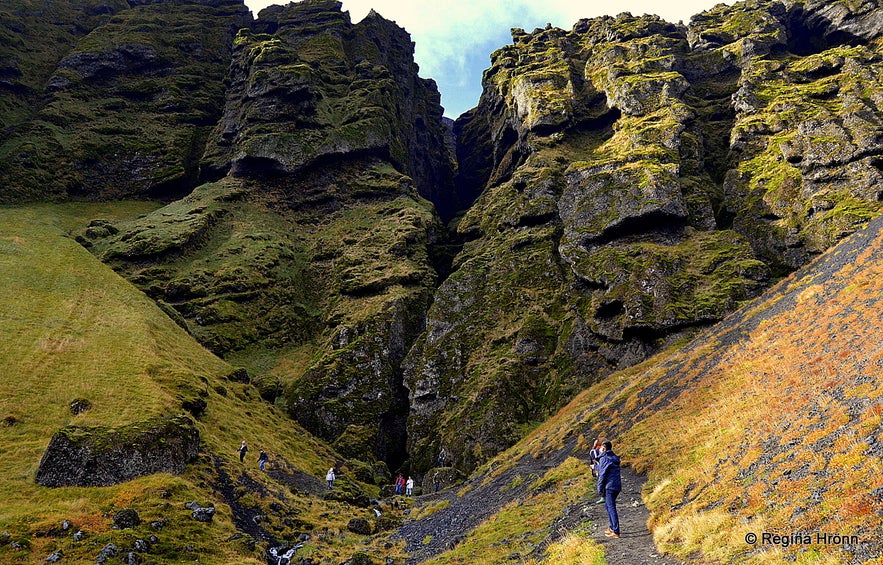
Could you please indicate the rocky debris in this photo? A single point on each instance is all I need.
(359, 526)
(79, 535)
(200, 513)
(126, 518)
(109, 551)
(55, 557)
(97, 456)
(80, 405)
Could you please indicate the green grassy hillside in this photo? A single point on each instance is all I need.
(73, 329)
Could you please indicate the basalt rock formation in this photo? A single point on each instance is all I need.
(311, 243)
(637, 180)
(619, 186)
(91, 456)
(126, 107)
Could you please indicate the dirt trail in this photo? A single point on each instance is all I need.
(635, 547)
(447, 527)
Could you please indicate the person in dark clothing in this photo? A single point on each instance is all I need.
(243, 449)
(610, 485)
(262, 459)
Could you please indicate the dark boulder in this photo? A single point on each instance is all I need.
(359, 526)
(126, 518)
(100, 456)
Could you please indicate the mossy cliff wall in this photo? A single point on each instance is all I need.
(120, 100)
(619, 186)
(635, 180)
(306, 255)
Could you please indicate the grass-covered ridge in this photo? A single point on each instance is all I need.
(75, 330)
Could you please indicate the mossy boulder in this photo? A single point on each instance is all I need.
(96, 456)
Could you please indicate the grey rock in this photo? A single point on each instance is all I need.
(126, 518)
(83, 456)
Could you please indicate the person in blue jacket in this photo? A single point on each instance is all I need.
(609, 485)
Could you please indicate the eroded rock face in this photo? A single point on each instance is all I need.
(317, 234)
(84, 456)
(637, 180)
(128, 105)
(330, 89)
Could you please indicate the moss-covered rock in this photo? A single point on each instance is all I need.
(664, 171)
(128, 107)
(314, 242)
(92, 456)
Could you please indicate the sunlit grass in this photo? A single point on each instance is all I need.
(74, 329)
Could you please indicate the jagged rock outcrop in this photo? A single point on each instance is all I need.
(92, 456)
(127, 108)
(331, 89)
(312, 245)
(638, 179)
(619, 186)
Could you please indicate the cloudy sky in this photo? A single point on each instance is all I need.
(454, 38)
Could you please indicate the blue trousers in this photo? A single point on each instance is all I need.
(610, 503)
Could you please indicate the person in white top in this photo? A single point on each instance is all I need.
(329, 476)
(409, 486)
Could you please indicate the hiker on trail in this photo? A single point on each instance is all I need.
(262, 459)
(329, 476)
(442, 457)
(409, 486)
(243, 449)
(400, 484)
(609, 485)
(436, 481)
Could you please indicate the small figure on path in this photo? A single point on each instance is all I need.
(442, 457)
(329, 476)
(243, 449)
(609, 485)
(400, 484)
(436, 481)
(409, 486)
(262, 459)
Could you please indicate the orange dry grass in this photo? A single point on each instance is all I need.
(773, 428)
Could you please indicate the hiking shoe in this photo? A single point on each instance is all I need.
(600, 500)
(611, 534)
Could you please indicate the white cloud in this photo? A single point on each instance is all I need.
(454, 38)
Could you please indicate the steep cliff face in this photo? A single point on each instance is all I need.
(307, 256)
(126, 110)
(618, 186)
(638, 179)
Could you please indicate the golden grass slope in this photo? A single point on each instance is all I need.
(71, 328)
(767, 424)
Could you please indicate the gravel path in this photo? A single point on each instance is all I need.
(635, 547)
(449, 526)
